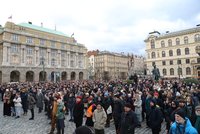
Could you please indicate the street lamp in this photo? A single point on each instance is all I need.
(43, 59)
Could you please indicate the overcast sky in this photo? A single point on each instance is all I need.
(113, 25)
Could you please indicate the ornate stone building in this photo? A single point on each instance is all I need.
(109, 65)
(174, 53)
(34, 53)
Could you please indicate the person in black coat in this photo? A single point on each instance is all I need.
(128, 120)
(78, 112)
(155, 117)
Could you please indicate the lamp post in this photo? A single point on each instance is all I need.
(43, 77)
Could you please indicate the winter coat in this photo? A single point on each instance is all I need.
(155, 118)
(71, 102)
(180, 129)
(138, 106)
(31, 102)
(78, 112)
(17, 101)
(39, 100)
(99, 118)
(128, 123)
(60, 111)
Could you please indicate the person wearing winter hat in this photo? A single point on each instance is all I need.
(128, 121)
(197, 122)
(182, 124)
(155, 117)
(78, 112)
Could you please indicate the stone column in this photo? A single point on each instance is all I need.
(5, 54)
(76, 60)
(48, 57)
(59, 59)
(23, 52)
(68, 59)
(5, 75)
(36, 56)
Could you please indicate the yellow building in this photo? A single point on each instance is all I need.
(109, 65)
(174, 53)
(34, 53)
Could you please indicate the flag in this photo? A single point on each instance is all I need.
(10, 17)
(72, 35)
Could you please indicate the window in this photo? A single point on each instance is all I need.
(187, 51)
(14, 48)
(197, 38)
(29, 51)
(71, 63)
(171, 71)
(178, 62)
(152, 43)
(29, 60)
(29, 40)
(42, 52)
(53, 62)
(188, 71)
(14, 37)
(163, 54)
(178, 51)
(187, 61)
(42, 42)
(177, 41)
(153, 55)
(169, 42)
(163, 63)
(164, 71)
(185, 40)
(170, 53)
(42, 60)
(62, 46)
(63, 62)
(15, 59)
(180, 72)
(53, 44)
(53, 53)
(162, 44)
(198, 60)
(171, 62)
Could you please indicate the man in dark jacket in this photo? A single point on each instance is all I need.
(155, 117)
(128, 120)
(117, 111)
(78, 112)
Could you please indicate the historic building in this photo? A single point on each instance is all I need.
(34, 53)
(109, 65)
(174, 53)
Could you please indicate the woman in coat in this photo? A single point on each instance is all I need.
(78, 112)
(138, 108)
(31, 105)
(99, 119)
(18, 106)
(40, 99)
(7, 103)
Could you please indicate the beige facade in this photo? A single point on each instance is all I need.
(34, 53)
(108, 65)
(174, 53)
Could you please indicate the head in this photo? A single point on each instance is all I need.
(180, 117)
(78, 99)
(127, 107)
(99, 107)
(197, 110)
(181, 103)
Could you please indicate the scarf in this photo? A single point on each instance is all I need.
(197, 123)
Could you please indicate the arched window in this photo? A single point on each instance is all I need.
(178, 51)
(170, 53)
(177, 41)
(152, 43)
(163, 54)
(185, 40)
(169, 42)
(188, 71)
(187, 51)
(171, 71)
(162, 44)
(197, 38)
(153, 55)
(164, 71)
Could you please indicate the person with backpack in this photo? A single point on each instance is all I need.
(155, 117)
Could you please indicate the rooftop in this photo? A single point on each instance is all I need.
(39, 28)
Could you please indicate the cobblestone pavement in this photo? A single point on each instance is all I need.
(22, 125)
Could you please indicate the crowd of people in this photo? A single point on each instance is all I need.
(128, 103)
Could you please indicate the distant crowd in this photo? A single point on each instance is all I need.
(128, 103)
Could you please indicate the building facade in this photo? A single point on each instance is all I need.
(34, 53)
(109, 65)
(174, 53)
